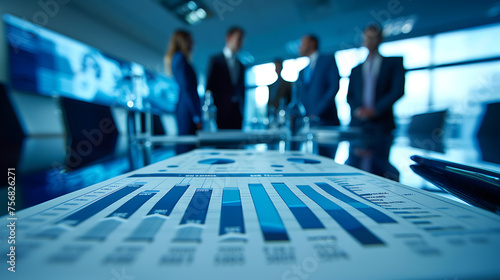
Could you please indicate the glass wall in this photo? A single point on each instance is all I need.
(461, 86)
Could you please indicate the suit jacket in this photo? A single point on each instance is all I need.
(188, 108)
(283, 89)
(318, 96)
(229, 98)
(389, 88)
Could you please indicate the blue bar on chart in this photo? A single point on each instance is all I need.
(349, 223)
(166, 204)
(148, 228)
(104, 228)
(97, 206)
(231, 214)
(302, 213)
(128, 208)
(270, 221)
(196, 212)
(375, 214)
(195, 215)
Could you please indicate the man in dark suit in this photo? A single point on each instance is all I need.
(375, 86)
(279, 90)
(318, 84)
(226, 80)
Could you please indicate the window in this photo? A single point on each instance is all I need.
(417, 94)
(416, 51)
(261, 75)
(469, 44)
(348, 59)
(343, 108)
(461, 87)
(256, 105)
(292, 67)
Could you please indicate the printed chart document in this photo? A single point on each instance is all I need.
(237, 214)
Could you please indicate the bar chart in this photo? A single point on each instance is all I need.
(221, 212)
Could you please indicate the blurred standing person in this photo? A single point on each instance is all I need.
(177, 63)
(318, 84)
(280, 89)
(375, 86)
(226, 80)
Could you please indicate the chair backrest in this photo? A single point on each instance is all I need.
(11, 138)
(491, 121)
(10, 126)
(428, 123)
(90, 130)
(488, 136)
(426, 131)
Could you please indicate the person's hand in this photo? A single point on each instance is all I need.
(198, 126)
(364, 113)
(313, 118)
(361, 152)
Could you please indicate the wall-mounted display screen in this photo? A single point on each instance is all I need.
(48, 63)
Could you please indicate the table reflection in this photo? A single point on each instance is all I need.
(371, 154)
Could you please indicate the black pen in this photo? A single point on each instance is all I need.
(474, 185)
(475, 175)
(443, 165)
(449, 185)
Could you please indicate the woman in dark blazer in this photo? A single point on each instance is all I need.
(177, 63)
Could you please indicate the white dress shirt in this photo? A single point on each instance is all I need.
(232, 65)
(371, 69)
(376, 59)
(313, 58)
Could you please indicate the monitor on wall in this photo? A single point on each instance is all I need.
(45, 62)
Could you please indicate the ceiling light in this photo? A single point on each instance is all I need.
(189, 11)
(201, 13)
(192, 5)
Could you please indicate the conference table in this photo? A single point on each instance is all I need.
(46, 170)
(258, 203)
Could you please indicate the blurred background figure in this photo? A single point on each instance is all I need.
(177, 63)
(318, 84)
(280, 91)
(226, 80)
(375, 86)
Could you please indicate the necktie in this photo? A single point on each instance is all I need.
(233, 69)
(369, 84)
